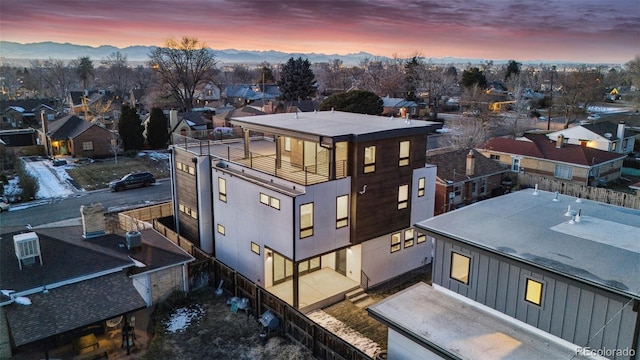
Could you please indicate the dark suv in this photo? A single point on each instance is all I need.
(133, 180)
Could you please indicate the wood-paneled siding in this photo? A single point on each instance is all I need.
(375, 213)
(571, 310)
(187, 195)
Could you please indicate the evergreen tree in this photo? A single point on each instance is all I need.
(157, 133)
(297, 81)
(130, 129)
(412, 77)
(474, 76)
(355, 101)
(513, 68)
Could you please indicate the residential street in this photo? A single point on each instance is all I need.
(53, 210)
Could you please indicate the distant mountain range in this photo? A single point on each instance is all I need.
(11, 51)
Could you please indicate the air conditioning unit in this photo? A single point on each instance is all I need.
(133, 239)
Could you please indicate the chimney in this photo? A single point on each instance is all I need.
(471, 163)
(620, 135)
(173, 118)
(92, 220)
(559, 141)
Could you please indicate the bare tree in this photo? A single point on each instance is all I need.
(468, 132)
(182, 67)
(118, 74)
(580, 89)
(54, 77)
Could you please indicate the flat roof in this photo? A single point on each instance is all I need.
(334, 123)
(603, 249)
(464, 331)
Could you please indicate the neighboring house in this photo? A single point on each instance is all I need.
(74, 136)
(536, 154)
(96, 105)
(561, 267)
(312, 205)
(464, 177)
(207, 95)
(19, 137)
(191, 123)
(27, 113)
(399, 107)
(603, 135)
(78, 277)
(244, 94)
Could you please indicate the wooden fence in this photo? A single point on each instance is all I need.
(142, 218)
(294, 325)
(586, 192)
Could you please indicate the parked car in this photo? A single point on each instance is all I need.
(133, 180)
(4, 206)
(59, 162)
(83, 160)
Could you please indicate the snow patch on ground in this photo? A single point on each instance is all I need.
(183, 317)
(341, 330)
(53, 181)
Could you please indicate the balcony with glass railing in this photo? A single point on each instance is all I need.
(261, 156)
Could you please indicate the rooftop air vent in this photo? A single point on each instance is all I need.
(134, 239)
(27, 248)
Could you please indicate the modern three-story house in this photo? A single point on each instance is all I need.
(309, 205)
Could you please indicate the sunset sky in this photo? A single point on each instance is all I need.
(589, 31)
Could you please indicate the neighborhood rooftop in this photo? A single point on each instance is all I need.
(602, 249)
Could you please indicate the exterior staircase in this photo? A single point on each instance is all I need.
(359, 298)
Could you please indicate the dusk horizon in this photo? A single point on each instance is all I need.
(570, 31)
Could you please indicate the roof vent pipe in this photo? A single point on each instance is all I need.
(556, 197)
(535, 190)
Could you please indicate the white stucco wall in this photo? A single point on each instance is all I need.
(380, 264)
(247, 220)
(325, 236)
(422, 207)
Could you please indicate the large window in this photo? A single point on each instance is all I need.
(87, 145)
(408, 238)
(395, 242)
(306, 220)
(421, 186)
(403, 196)
(534, 292)
(369, 159)
(404, 153)
(460, 267)
(222, 189)
(457, 190)
(483, 186)
(563, 172)
(342, 211)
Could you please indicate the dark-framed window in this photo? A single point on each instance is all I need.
(306, 220)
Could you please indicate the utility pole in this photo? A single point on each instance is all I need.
(553, 70)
